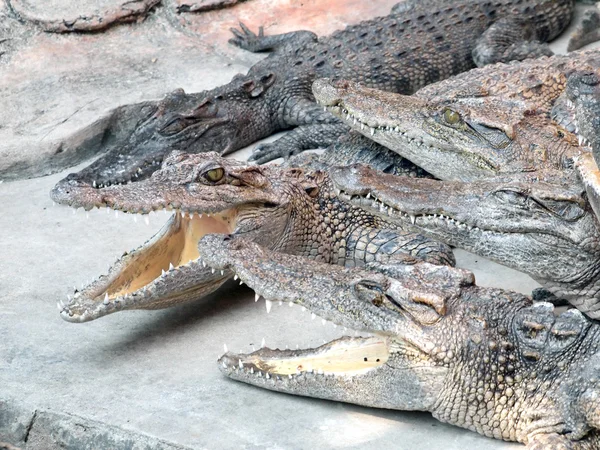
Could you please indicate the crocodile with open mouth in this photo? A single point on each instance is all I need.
(417, 44)
(547, 230)
(492, 121)
(480, 358)
(288, 210)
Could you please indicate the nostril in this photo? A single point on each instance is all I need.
(227, 237)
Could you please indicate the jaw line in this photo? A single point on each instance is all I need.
(164, 257)
(432, 222)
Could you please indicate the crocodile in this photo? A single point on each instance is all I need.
(485, 359)
(489, 122)
(547, 230)
(286, 209)
(417, 44)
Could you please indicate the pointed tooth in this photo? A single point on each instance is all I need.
(251, 369)
(312, 316)
(263, 344)
(235, 277)
(256, 297)
(240, 364)
(268, 305)
(105, 299)
(222, 273)
(203, 263)
(413, 219)
(212, 269)
(225, 347)
(171, 266)
(372, 131)
(147, 219)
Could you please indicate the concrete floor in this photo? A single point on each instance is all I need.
(148, 379)
(154, 372)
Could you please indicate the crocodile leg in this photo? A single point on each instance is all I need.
(299, 139)
(508, 40)
(256, 43)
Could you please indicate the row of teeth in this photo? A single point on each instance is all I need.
(402, 134)
(119, 301)
(581, 140)
(391, 211)
(166, 210)
(137, 173)
(250, 371)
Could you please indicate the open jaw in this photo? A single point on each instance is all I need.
(164, 271)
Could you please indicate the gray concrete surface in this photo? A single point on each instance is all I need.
(154, 373)
(148, 379)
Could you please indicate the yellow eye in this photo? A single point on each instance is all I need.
(452, 117)
(214, 175)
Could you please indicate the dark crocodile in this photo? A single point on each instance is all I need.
(484, 359)
(288, 210)
(418, 44)
(547, 230)
(491, 121)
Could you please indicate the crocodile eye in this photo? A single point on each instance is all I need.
(214, 175)
(174, 126)
(511, 197)
(451, 117)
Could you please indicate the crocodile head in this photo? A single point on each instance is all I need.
(405, 308)
(222, 120)
(463, 137)
(546, 230)
(485, 359)
(205, 194)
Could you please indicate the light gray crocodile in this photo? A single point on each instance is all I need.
(484, 359)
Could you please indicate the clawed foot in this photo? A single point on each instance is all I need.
(247, 39)
(263, 153)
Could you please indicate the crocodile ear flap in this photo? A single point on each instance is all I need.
(254, 89)
(252, 176)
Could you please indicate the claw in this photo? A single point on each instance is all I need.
(246, 30)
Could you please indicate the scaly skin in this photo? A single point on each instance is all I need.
(580, 109)
(399, 53)
(484, 359)
(491, 121)
(546, 230)
(284, 209)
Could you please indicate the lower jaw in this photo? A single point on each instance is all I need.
(343, 357)
(161, 273)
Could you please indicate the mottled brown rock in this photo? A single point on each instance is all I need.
(64, 16)
(204, 5)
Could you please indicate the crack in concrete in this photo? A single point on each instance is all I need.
(30, 425)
